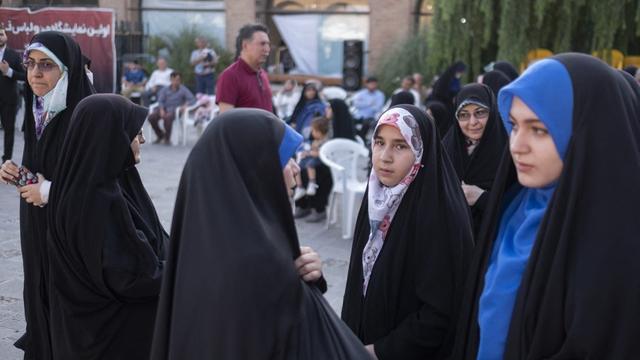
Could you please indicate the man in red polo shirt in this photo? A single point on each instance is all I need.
(244, 83)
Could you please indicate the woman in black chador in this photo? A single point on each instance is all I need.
(233, 287)
(475, 145)
(555, 274)
(411, 243)
(56, 82)
(106, 244)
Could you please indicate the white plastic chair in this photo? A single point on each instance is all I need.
(188, 119)
(343, 156)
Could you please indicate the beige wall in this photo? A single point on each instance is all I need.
(389, 22)
(238, 13)
(123, 9)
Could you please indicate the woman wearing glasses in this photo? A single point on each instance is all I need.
(56, 82)
(475, 145)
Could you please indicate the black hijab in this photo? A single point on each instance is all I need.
(631, 70)
(105, 244)
(445, 88)
(441, 116)
(231, 290)
(506, 68)
(342, 120)
(402, 97)
(480, 167)
(414, 290)
(495, 80)
(41, 156)
(578, 296)
(303, 99)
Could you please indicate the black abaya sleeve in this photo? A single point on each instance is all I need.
(427, 332)
(131, 268)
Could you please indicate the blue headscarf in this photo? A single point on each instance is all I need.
(291, 140)
(546, 88)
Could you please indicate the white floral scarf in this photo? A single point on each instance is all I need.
(384, 200)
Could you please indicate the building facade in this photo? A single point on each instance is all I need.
(312, 31)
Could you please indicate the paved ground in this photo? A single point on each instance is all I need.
(160, 169)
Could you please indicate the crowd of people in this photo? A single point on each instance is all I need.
(498, 222)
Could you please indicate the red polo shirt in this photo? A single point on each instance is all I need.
(241, 86)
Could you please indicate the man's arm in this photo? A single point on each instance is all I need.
(224, 107)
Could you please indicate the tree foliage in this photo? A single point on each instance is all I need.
(178, 47)
(392, 68)
(480, 31)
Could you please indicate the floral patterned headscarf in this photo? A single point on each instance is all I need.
(384, 200)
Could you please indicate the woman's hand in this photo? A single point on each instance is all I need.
(31, 193)
(9, 172)
(309, 264)
(371, 351)
(472, 193)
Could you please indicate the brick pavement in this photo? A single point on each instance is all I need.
(160, 170)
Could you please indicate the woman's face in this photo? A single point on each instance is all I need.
(472, 120)
(290, 171)
(135, 146)
(534, 153)
(392, 156)
(44, 76)
(310, 93)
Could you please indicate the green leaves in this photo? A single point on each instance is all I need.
(508, 29)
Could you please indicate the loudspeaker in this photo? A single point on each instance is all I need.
(352, 64)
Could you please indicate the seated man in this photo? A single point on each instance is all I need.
(169, 99)
(134, 79)
(159, 79)
(367, 102)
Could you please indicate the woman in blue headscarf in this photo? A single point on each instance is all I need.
(555, 270)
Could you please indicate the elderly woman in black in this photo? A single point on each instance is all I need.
(56, 82)
(475, 145)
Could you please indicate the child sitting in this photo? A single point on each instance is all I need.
(309, 158)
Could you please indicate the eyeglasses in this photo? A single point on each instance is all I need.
(479, 114)
(44, 66)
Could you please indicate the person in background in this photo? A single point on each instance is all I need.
(170, 98)
(408, 84)
(308, 107)
(309, 158)
(11, 70)
(342, 124)
(160, 78)
(475, 145)
(287, 99)
(419, 86)
(368, 103)
(134, 79)
(204, 60)
(244, 83)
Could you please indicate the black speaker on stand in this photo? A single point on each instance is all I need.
(352, 64)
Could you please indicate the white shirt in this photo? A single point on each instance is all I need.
(285, 102)
(159, 78)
